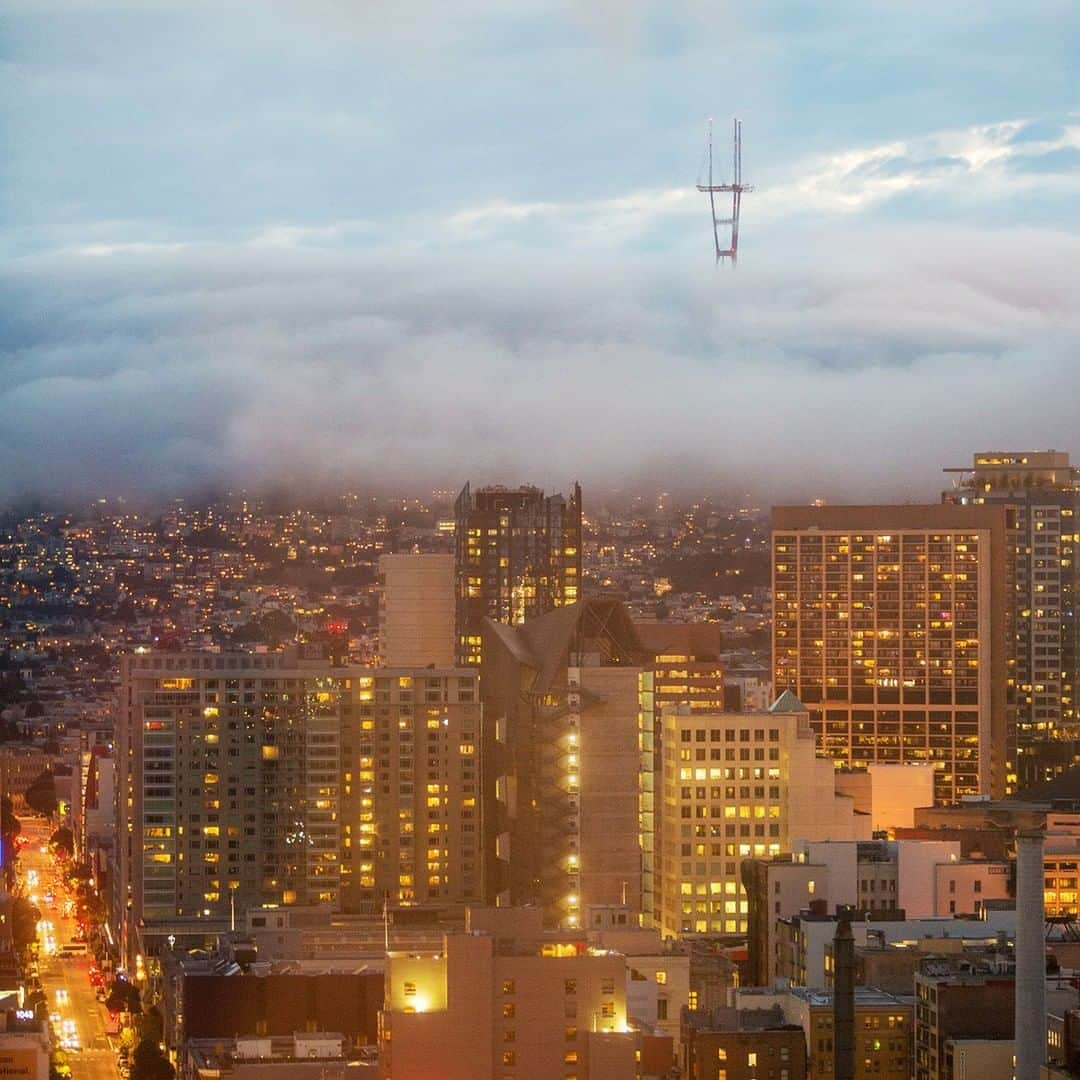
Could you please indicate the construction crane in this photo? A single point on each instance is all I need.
(736, 187)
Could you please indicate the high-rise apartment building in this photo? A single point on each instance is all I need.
(518, 555)
(416, 610)
(569, 716)
(738, 786)
(227, 787)
(411, 794)
(251, 779)
(1043, 491)
(891, 623)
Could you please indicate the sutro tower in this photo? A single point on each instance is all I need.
(736, 187)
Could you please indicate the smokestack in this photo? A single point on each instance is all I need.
(1030, 957)
(844, 1001)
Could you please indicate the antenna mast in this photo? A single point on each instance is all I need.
(736, 187)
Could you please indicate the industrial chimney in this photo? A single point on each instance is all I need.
(1030, 957)
(844, 1001)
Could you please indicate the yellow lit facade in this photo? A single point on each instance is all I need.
(737, 786)
(890, 625)
(411, 791)
(518, 555)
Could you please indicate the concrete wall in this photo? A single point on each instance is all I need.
(896, 790)
(416, 610)
(981, 1059)
(916, 874)
(968, 884)
(841, 862)
(610, 769)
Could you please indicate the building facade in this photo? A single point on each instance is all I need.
(737, 786)
(569, 736)
(958, 998)
(1042, 490)
(714, 1052)
(227, 785)
(504, 1003)
(411, 787)
(892, 624)
(686, 668)
(416, 610)
(518, 555)
(882, 1029)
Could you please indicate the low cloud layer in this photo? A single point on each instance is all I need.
(344, 245)
(857, 376)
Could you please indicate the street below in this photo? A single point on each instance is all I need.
(65, 979)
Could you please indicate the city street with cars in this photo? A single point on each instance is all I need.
(74, 989)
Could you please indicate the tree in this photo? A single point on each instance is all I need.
(63, 839)
(149, 1063)
(41, 794)
(24, 920)
(10, 827)
(123, 997)
(59, 1069)
(277, 626)
(151, 1026)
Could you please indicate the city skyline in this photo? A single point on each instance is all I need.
(455, 624)
(305, 253)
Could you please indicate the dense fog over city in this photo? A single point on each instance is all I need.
(324, 249)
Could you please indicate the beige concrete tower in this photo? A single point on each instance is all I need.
(416, 610)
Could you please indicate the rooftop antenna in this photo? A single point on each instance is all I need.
(736, 187)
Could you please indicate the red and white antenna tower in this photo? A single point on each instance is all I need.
(736, 187)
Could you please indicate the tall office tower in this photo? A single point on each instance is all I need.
(227, 784)
(892, 624)
(518, 555)
(1043, 490)
(416, 610)
(737, 786)
(411, 820)
(569, 713)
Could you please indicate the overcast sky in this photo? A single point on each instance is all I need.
(355, 242)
